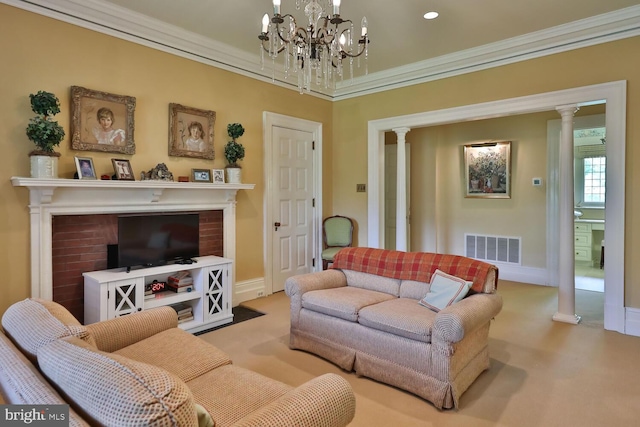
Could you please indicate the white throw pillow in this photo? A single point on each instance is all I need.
(445, 290)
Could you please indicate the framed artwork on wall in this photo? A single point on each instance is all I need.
(487, 170)
(102, 121)
(191, 132)
(122, 168)
(85, 168)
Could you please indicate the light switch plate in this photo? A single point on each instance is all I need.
(361, 188)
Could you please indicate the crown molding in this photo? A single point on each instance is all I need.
(617, 25)
(107, 18)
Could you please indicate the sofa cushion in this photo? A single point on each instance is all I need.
(32, 323)
(413, 289)
(445, 290)
(400, 316)
(344, 303)
(110, 389)
(372, 282)
(229, 393)
(22, 384)
(164, 349)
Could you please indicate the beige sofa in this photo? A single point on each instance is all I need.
(364, 315)
(142, 369)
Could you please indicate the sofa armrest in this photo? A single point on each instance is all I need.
(296, 286)
(460, 319)
(114, 334)
(327, 401)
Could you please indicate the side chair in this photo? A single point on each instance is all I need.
(337, 233)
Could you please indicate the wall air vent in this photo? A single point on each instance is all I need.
(493, 248)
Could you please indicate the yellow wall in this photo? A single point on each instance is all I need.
(582, 67)
(39, 53)
(457, 215)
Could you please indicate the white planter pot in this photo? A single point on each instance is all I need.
(44, 167)
(234, 176)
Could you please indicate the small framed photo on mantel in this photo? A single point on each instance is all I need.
(123, 171)
(218, 176)
(201, 175)
(85, 168)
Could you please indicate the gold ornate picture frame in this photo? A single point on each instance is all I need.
(191, 132)
(102, 121)
(487, 170)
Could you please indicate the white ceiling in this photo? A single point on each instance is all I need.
(404, 46)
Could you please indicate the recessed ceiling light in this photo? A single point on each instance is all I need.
(431, 15)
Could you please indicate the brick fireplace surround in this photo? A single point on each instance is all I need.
(72, 221)
(79, 244)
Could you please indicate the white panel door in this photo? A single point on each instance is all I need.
(293, 207)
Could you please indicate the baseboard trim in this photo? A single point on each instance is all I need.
(248, 290)
(531, 275)
(632, 321)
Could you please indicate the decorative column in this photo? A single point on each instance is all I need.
(566, 290)
(401, 191)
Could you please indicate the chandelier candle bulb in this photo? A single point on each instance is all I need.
(265, 23)
(276, 7)
(336, 7)
(363, 24)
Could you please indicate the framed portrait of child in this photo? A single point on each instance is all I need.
(191, 132)
(102, 121)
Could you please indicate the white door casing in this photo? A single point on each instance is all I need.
(613, 93)
(292, 177)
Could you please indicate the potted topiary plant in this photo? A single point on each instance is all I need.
(233, 152)
(46, 134)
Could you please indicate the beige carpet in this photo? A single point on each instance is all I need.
(543, 373)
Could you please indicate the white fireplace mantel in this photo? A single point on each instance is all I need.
(49, 197)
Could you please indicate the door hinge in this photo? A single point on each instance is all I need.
(313, 202)
(313, 145)
(313, 262)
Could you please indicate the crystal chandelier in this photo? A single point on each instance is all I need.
(318, 53)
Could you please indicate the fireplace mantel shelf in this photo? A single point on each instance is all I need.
(46, 188)
(51, 197)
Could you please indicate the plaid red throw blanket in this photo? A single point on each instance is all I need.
(417, 266)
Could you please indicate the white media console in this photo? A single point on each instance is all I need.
(113, 293)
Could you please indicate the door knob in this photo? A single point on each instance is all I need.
(276, 224)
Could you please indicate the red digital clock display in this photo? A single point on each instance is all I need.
(156, 286)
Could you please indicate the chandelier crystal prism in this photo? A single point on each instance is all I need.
(318, 53)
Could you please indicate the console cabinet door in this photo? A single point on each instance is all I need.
(216, 293)
(125, 297)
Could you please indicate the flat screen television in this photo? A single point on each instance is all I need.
(150, 240)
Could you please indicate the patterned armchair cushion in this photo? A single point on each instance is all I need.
(32, 323)
(109, 389)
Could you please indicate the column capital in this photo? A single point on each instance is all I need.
(567, 110)
(403, 130)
